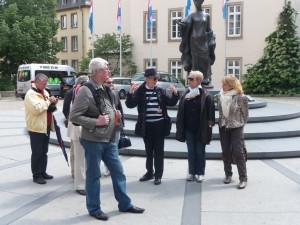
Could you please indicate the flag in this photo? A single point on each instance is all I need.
(91, 17)
(224, 9)
(119, 25)
(150, 18)
(187, 7)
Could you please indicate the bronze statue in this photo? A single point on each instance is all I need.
(198, 42)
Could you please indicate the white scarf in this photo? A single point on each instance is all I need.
(226, 99)
(193, 92)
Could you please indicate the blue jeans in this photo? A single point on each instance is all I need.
(108, 153)
(196, 154)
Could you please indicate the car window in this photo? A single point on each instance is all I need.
(174, 79)
(138, 77)
(126, 81)
(164, 78)
(117, 81)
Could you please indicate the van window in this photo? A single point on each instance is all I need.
(24, 75)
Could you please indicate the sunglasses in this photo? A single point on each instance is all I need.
(191, 79)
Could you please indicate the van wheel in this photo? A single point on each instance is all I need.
(122, 94)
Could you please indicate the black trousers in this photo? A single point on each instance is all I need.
(39, 148)
(154, 144)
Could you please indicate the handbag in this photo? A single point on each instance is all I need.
(233, 161)
(124, 141)
(167, 125)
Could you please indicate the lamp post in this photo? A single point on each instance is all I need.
(8, 65)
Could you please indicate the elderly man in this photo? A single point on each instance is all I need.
(39, 119)
(94, 109)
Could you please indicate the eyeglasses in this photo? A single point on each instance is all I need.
(191, 79)
(109, 82)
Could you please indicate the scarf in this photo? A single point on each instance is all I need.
(226, 99)
(193, 92)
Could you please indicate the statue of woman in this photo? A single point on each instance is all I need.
(198, 42)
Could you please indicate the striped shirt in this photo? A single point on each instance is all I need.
(153, 112)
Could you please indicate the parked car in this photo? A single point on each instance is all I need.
(164, 81)
(122, 85)
(66, 84)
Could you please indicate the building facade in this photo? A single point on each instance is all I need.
(73, 31)
(240, 37)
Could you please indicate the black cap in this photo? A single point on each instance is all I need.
(150, 72)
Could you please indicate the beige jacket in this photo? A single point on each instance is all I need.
(36, 111)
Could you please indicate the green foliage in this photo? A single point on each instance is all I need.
(108, 48)
(277, 71)
(6, 84)
(27, 34)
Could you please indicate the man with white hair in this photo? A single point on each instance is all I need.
(95, 112)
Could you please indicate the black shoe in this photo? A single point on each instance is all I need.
(100, 215)
(134, 209)
(157, 181)
(81, 192)
(47, 176)
(39, 180)
(146, 177)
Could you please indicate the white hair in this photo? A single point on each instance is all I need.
(97, 64)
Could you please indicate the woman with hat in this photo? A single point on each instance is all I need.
(152, 102)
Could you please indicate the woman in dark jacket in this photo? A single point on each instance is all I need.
(195, 118)
(152, 102)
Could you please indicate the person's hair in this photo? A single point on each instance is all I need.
(198, 75)
(81, 73)
(40, 77)
(97, 64)
(233, 82)
(81, 79)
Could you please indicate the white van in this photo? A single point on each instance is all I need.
(56, 73)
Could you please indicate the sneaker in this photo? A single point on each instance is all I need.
(242, 184)
(106, 173)
(190, 177)
(200, 178)
(227, 180)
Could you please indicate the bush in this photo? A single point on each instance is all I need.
(6, 84)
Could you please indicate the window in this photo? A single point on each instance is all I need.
(75, 64)
(74, 2)
(234, 67)
(64, 41)
(148, 63)
(234, 21)
(63, 22)
(174, 32)
(176, 68)
(74, 43)
(64, 62)
(148, 29)
(74, 20)
(63, 2)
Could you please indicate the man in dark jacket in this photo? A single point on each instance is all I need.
(152, 102)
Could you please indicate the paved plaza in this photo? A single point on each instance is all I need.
(272, 196)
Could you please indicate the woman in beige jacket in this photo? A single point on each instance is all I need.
(233, 116)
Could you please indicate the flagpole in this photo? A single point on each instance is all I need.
(120, 53)
(119, 28)
(93, 36)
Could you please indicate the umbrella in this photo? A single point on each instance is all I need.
(60, 140)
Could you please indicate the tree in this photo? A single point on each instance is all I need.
(277, 71)
(108, 48)
(27, 34)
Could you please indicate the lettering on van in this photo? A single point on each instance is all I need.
(49, 67)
